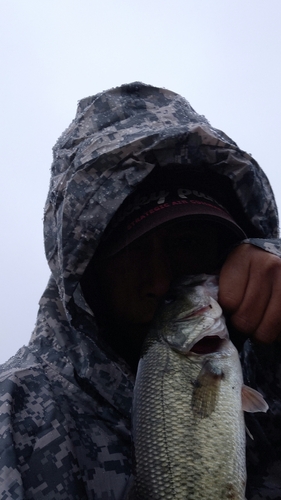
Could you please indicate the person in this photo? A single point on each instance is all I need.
(143, 190)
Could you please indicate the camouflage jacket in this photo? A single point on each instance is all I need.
(66, 397)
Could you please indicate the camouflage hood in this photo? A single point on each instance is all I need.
(114, 142)
(66, 398)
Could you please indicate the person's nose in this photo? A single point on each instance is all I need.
(158, 271)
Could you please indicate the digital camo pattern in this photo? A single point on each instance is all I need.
(66, 398)
(262, 371)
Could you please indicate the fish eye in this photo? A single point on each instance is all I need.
(168, 301)
(170, 298)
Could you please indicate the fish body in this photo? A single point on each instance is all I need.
(188, 423)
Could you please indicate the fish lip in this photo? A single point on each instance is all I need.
(196, 312)
(217, 330)
(212, 305)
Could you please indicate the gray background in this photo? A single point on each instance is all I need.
(222, 55)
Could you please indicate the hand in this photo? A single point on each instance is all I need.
(250, 290)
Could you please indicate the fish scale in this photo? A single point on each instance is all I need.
(189, 440)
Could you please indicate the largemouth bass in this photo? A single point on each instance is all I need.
(188, 423)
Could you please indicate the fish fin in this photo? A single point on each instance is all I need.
(252, 400)
(206, 390)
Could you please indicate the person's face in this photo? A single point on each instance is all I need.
(135, 279)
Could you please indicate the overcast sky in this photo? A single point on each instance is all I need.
(224, 56)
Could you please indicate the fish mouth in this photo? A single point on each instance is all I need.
(208, 345)
(215, 335)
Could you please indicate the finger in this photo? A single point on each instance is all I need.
(259, 312)
(269, 328)
(254, 304)
(233, 280)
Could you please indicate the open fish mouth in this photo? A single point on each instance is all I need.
(208, 345)
(214, 337)
(214, 334)
(199, 328)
